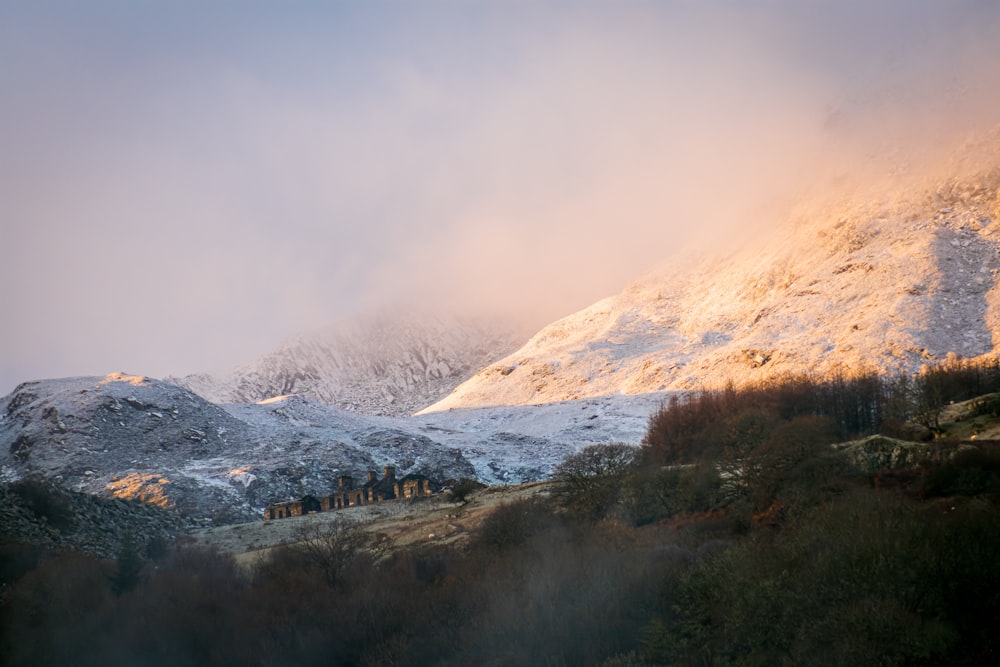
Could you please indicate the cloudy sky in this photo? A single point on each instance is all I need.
(183, 184)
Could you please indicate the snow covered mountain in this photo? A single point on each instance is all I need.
(887, 281)
(381, 364)
(887, 278)
(135, 437)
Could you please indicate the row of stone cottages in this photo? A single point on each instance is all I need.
(375, 490)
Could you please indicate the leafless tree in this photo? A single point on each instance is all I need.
(590, 480)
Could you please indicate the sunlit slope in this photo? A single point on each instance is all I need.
(883, 279)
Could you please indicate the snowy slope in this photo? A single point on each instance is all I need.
(888, 282)
(384, 363)
(136, 437)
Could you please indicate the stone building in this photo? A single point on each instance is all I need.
(304, 505)
(374, 490)
(412, 486)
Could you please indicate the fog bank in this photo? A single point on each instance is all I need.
(183, 186)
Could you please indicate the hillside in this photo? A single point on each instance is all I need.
(141, 438)
(383, 363)
(875, 551)
(135, 437)
(435, 520)
(887, 279)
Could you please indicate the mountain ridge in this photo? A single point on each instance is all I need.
(379, 363)
(886, 284)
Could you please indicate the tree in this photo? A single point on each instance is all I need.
(128, 565)
(590, 481)
(332, 550)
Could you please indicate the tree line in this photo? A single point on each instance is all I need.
(734, 535)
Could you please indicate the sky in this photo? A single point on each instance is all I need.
(185, 184)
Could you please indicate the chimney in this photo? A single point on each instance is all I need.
(371, 475)
(345, 483)
(390, 473)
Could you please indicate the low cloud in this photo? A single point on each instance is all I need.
(181, 194)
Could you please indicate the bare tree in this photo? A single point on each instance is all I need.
(590, 481)
(332, 550)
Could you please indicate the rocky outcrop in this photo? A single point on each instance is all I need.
(878, 452)
(43, 514)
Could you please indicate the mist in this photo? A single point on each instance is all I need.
(184, 186)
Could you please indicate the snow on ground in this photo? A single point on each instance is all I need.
(505, 445)
(515, 444)
(141, 437)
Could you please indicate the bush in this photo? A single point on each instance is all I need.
(987, 405)
(195, 609)
(128, 565)
(513, 524)
(569, 594)
(16, 560)
(459, 492)
(50, 615)
(971, 472)
(331, 551)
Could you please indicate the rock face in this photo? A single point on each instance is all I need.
(887, 283)
(138, 438)
(383, 364)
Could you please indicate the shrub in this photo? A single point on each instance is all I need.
(17, 559)
(194, 609)
(512, 524)
(460, 491)
(50, 615)
(971, 472)
(866, 579)
(657, 493)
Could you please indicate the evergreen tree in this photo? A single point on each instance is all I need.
(128, 564)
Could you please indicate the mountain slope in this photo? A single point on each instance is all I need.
(384, 364)
(887, 283)
(138, 438)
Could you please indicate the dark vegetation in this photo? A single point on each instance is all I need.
(460, 490)
(734, 536)
(46, 506)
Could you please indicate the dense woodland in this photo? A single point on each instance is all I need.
(735, 535)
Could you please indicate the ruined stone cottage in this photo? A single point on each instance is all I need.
(374, 490)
